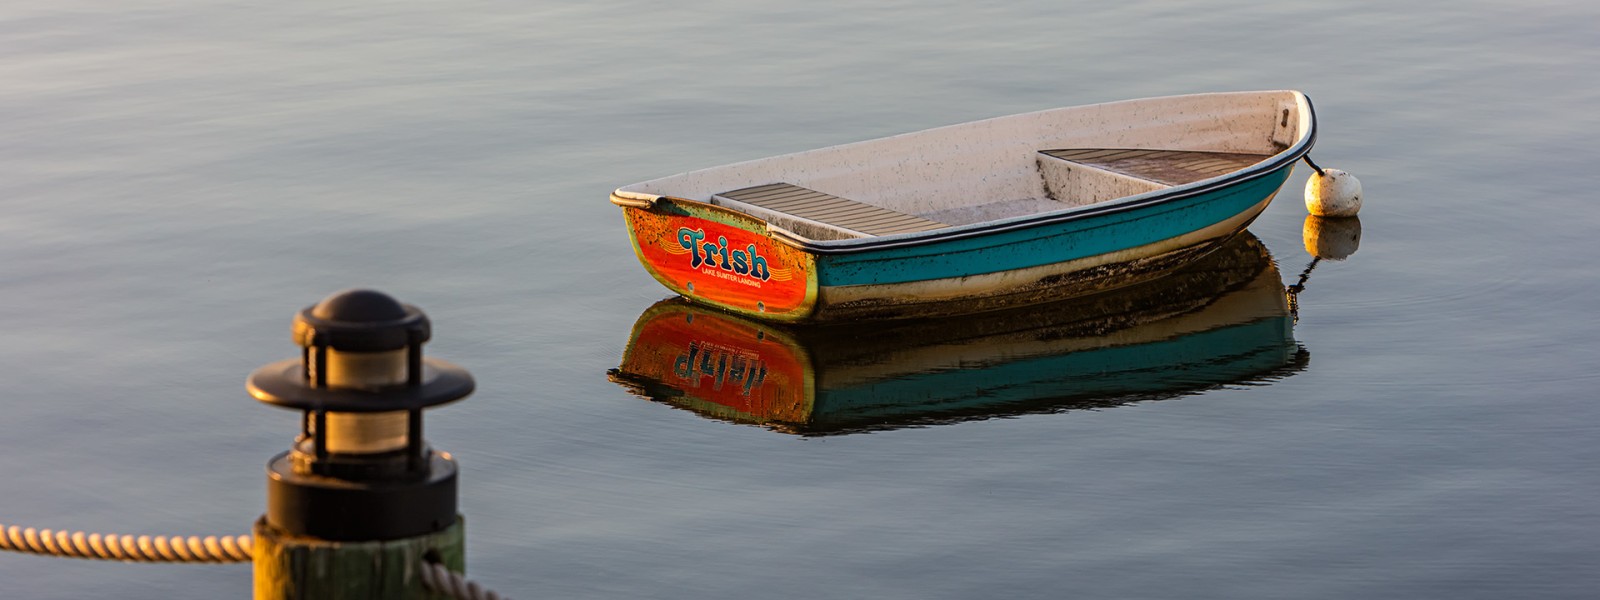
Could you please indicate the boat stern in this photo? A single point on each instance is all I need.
(720, 257)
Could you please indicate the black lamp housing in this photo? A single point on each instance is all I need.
(343, 495)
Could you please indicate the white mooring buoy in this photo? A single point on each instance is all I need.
(1333, 193)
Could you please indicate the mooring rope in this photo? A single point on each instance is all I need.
(144, 548)
(192, 549)
(440, 579)
(1314, 166)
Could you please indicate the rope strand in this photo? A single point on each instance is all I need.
(193, 549)
(1314, 166)
(442, 580)
(144, 548)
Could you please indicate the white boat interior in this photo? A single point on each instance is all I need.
(1007, 167)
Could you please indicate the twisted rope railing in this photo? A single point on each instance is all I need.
(192, 549)
(440, 579)
(144, 548)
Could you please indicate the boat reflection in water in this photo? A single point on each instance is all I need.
(1221, 321)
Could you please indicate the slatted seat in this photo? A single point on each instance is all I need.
(1167, 167)
(831, 210)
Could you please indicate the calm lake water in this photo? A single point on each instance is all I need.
(179, 177)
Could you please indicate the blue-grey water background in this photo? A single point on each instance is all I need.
(178, 177)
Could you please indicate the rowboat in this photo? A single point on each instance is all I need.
(973, 217)
(1220, 321)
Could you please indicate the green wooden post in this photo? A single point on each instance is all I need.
(289, 567)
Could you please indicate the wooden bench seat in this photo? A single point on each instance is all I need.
(1166, 167)
(831, 210)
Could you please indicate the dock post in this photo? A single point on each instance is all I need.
(360, 501)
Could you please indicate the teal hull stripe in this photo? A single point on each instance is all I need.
(1048, 243)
